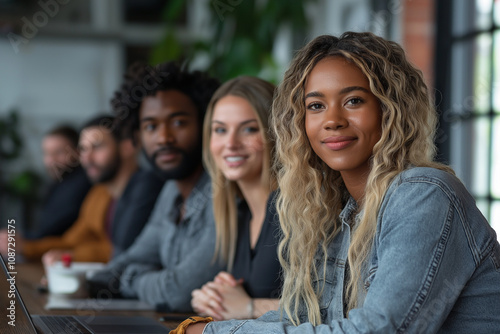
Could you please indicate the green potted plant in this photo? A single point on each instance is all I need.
(24, 185)
(244, 35)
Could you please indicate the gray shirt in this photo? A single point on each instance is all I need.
(169, 259)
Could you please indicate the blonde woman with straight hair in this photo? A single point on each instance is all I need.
(237, 154)
(377, 236)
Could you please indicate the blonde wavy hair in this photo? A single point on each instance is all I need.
(309, 217)
(259, 94)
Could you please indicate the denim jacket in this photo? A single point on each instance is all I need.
(434, 267)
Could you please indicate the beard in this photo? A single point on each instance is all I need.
(190, 161)
(107, 173)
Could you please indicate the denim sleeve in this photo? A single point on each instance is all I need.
(420, 265)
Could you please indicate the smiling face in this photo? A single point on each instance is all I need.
(236, 141)
(343, 117)
(170, 133)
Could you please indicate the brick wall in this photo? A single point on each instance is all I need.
(418, 35)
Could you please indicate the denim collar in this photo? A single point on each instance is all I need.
(348, 213)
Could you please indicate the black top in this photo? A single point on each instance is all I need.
(133, 209)
(259, 267)
(61, 205)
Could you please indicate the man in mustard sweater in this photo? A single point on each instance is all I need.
(110, 208)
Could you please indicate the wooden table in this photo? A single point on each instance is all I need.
(27, 279)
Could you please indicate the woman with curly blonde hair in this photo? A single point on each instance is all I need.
(377, 237)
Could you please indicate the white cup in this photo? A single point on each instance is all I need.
(70, 282)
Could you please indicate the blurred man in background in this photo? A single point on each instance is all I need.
(116, 208)
(69, 183)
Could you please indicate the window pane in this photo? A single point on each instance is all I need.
(480, 151)
(496, 70)
(483, 14)
(459, 151)
(497, 13)
(482, 75)
(462, 57)
(483, 206)
(471, 15)
(495, 161)
(470, 96)
(495, 217)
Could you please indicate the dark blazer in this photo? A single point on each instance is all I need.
(133, 209)
(61, 205)
(259, 267)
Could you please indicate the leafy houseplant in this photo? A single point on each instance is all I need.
(24, 185)
(243, 38)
